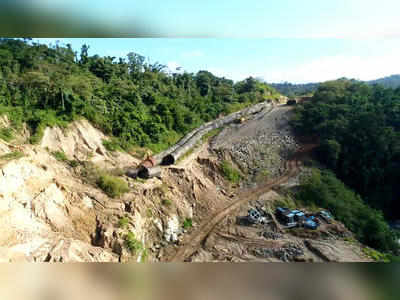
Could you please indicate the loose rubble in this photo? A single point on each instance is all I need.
(287, 253)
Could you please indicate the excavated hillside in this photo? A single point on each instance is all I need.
(54, 206)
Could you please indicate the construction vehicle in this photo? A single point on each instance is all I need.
(295, 218)
(326, 216)
(311, 223)
(240, 120)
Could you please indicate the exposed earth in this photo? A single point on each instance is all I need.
(51, 210)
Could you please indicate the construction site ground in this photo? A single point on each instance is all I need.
(269, 157)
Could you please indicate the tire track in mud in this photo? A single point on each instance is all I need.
(194, 241)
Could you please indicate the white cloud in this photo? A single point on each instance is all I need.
(234, 75)
(333, 67)
(174, 67)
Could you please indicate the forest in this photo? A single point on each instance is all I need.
(138, 102)
(293, 89)
(300, 89)
(357, 127)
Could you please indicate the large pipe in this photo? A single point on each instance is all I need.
(133, 173)
(170, 157)
(150, 167)
(146, 173)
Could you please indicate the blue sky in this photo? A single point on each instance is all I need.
(238, 18)
(274, 60)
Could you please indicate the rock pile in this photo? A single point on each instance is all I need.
(272, 235)
(265, 151)
(288, 253)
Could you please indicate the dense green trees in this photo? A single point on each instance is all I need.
(292, 89)
(368, 225)
(358, 127)
(136, 101)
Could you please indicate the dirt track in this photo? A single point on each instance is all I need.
(193, 242)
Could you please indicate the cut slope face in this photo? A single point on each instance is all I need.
(81, 141)
(37, 212)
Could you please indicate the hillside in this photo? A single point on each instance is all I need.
(68, 199)
(75, 134)
(358, 128)
(132, 99)
(392, 81)
(292, 89)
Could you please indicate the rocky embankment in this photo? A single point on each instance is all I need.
(259, 147)
(52, 210)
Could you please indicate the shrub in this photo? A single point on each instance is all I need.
(376, 255)
(211, 134)
(112, 145)
(285, 202)
(12, 155)
(230, 173)
(187, 223)
(73, 163)
(60, 156)
(325, 190)
(166, 202)
(132, 243)
(123, 222)
(111, 185)
(6, 134)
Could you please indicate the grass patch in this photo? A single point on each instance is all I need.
(187, 153)
(262, 175)
(60, 156)
(285, 202)
(132, 244)
(6, 134)
(167, 140)
(323, 189)
(149, 213)
(112, 145)
(376, 255)
(141, 180)
(139, 152)
(187, 223)
(211, 134)
(166, 202)
(111, 185)
(123, 222)
(145, 255)
(230, 173)
(73, 163)
(12, 155)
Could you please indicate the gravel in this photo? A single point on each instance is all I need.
(287, 253)
(262, 146)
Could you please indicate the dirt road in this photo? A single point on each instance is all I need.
(193, 242)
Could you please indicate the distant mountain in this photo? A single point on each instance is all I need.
(392, 81)
(292, 89)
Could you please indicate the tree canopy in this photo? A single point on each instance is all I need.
(358, 127)
(138, 102)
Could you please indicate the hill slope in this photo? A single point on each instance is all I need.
(292, 89)
(136, 101)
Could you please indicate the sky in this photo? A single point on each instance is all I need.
(236, 18)
(272, 59)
